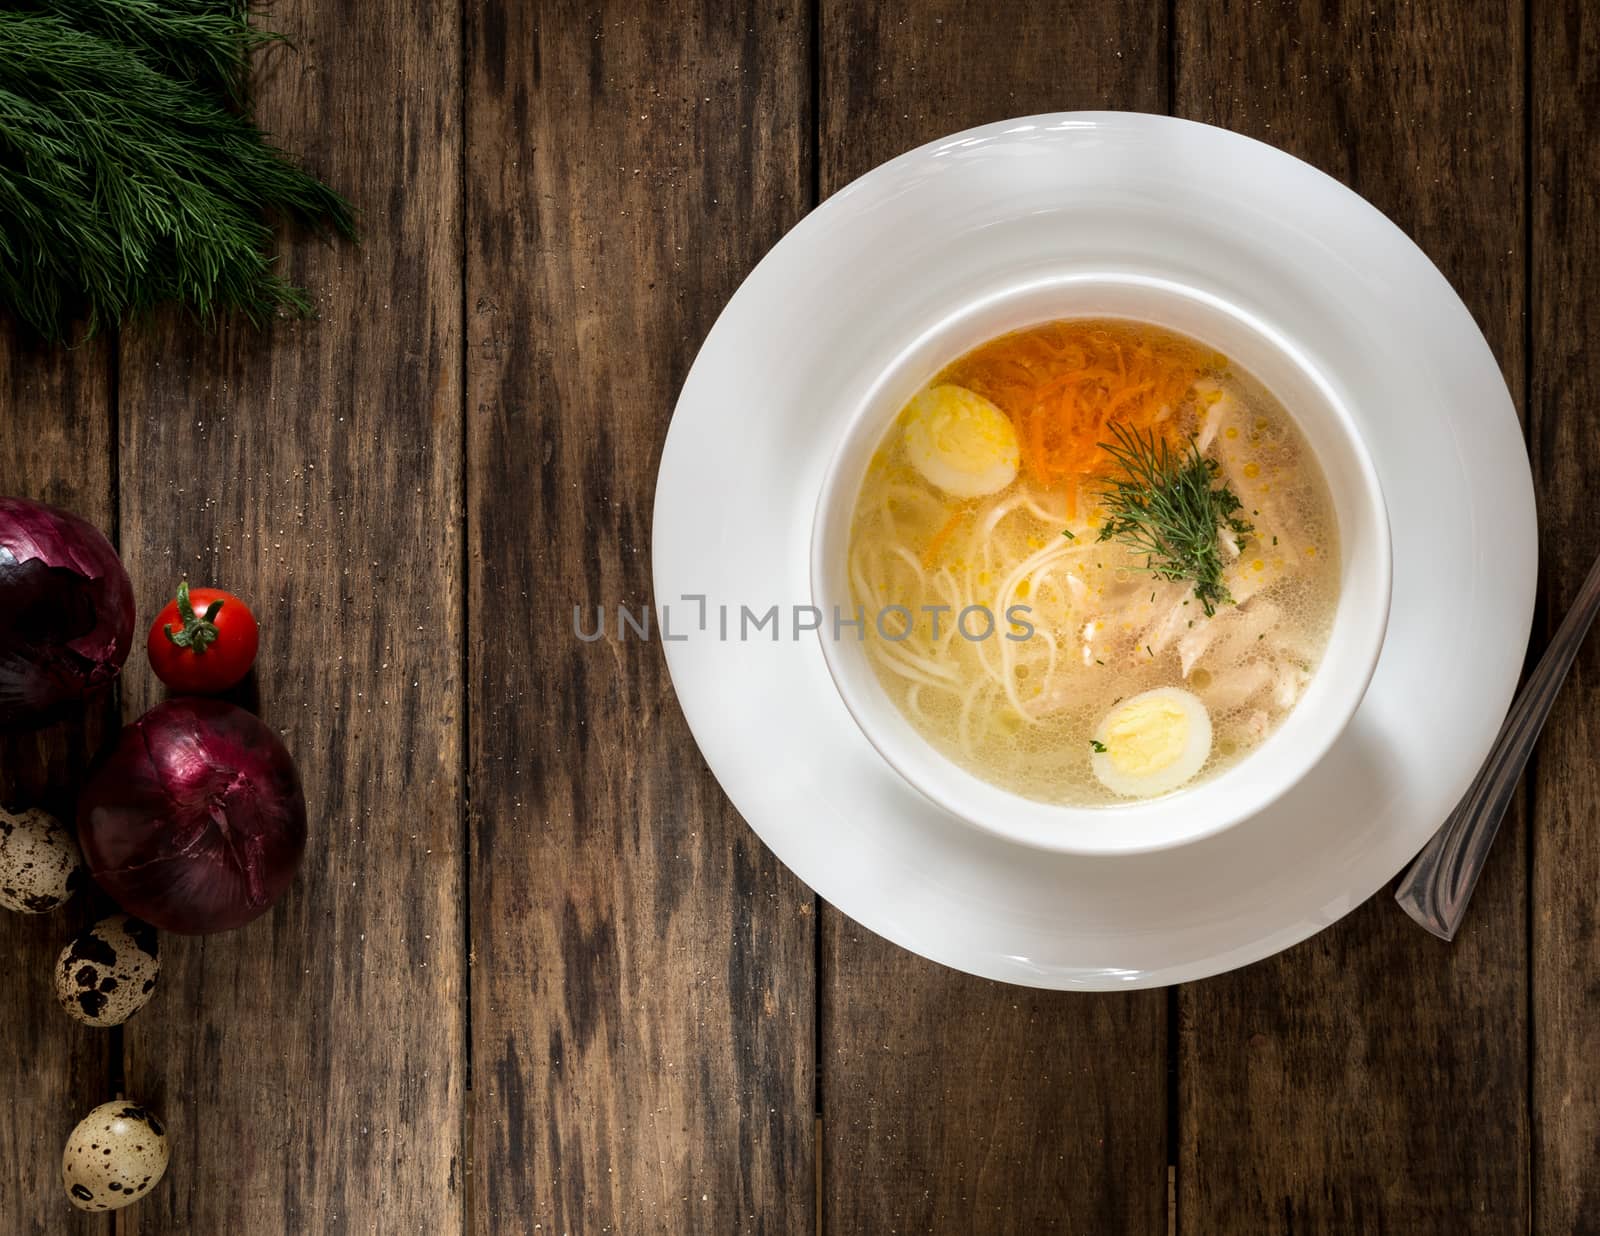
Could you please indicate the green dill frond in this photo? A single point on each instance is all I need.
(205, 42)
(1167, 506)
(128, 178)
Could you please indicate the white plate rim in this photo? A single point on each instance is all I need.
(948, 911)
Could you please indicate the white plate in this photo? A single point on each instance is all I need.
(822, 316)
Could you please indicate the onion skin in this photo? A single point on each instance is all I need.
(197, 822)
(66, 612)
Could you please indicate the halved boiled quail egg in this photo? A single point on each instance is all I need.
(960, 441)
(1152, 743)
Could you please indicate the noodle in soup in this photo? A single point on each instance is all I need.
(1104, 561)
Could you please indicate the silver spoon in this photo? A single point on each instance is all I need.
(1436, 889)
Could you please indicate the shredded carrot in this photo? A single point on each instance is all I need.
(1064, 384)
(1123, 396)
(1036, 459)
(930, 555)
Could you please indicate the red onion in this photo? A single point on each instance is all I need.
(197, 822)
(66, 612)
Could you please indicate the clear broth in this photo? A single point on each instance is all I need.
(1021, 712)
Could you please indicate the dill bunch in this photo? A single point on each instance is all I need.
(131, 174)
(206, 42)
(1168, 506)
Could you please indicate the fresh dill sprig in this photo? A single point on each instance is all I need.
(130, 176)
(1168, 506)
(206, 42)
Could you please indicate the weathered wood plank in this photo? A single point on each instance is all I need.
(1563, 405)
(642, 992)
(950, 1104)
(1373, 1079)
(311, 1067)
(55, 447)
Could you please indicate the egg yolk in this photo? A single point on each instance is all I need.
(963, 428)
(1146, 736)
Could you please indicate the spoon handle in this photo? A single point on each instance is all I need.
(1436, 889)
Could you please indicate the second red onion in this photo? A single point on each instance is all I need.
(197, 822)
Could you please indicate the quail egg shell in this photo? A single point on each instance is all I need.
(115, 1156)
(40, 866)
(106, 975)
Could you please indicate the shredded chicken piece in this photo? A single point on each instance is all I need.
(1217, 410)
(1270, 516)
(1233, 687)
(1181, 609)
(1228, 634)
(1291, 681)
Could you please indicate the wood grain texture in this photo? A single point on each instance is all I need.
(55, 447)
(642, 990)
(1563, 410)
(311, 1066)
(1374, 1079)
(952, 1104)
(643, 994)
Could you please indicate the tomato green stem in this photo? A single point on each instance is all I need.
(198, 632)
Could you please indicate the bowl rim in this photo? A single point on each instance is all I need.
(1047, 826)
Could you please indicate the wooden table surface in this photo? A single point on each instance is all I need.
(537, 976)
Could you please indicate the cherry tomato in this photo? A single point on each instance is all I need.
(203, 641)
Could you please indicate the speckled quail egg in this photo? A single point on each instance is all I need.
(115, 1156)
(106, 975)
(40, 866)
